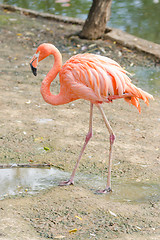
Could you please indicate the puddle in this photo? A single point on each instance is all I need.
(131, 191)
(126, 190)
(18, 181)
(23, 181)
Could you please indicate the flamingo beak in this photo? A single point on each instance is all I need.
(34, 63)
(34, 70)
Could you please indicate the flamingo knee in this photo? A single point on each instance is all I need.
(88, 136)
(112, 138)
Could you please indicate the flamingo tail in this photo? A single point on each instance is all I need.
(137, 94)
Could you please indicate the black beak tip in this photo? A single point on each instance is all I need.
(34, 70)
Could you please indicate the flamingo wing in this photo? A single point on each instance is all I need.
(99, 79)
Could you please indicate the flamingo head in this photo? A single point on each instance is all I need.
(43, 51)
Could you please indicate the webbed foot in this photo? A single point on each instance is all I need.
(66, 183)
(106, 190)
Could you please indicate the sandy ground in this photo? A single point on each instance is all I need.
(54, 213)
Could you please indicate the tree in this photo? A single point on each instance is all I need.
(95, 24)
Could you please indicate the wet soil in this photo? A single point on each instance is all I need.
(35, 132)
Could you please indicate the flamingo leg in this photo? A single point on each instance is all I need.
(88, 137)
(112, 139)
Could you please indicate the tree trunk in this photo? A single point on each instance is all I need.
(95, 24)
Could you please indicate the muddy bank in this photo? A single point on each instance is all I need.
(117, 35)
(35, 132)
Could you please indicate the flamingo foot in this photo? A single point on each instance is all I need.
(66, 183)
(106, 190)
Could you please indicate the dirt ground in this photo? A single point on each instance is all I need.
(73, 212)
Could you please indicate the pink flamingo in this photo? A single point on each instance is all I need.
(91, 77)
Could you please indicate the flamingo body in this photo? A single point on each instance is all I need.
(95, 78)
(98, 79)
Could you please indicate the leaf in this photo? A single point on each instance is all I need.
(59, 237)
(28, 102)
(112, 213)
(92, 45)
(30, 160)
(73, 230)
(78, 217)
(46, 148)
(139, 228)
(38, 139)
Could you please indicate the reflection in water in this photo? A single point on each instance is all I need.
(138, 17)
(18, 181)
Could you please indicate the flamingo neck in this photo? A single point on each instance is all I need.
(46, 83)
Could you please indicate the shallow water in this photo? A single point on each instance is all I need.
(15, 181)
(24, 181)
(146, 78)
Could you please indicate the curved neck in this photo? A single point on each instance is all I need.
(45, 87)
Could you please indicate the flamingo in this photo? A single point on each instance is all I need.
(95, 78)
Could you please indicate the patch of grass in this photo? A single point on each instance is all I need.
(4, 19)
